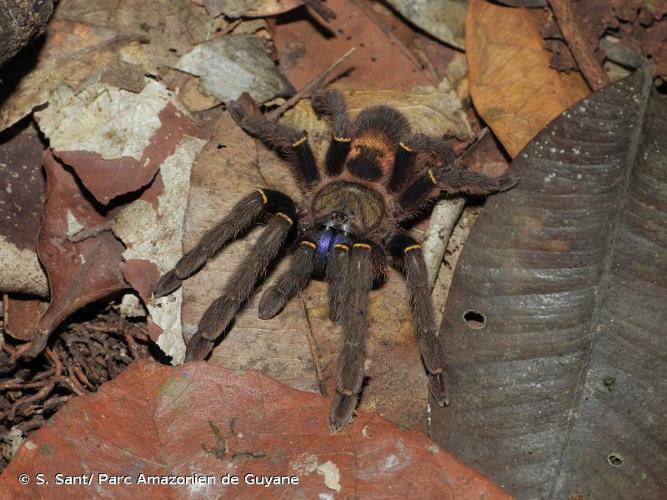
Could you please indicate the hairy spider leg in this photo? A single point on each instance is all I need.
(409, 256)
(354, 316)
(335, 276)
(330, 103)
(220, 313)
(242, 216)
(290, 143)
(290, 282)
(404, 165)
(453, 180)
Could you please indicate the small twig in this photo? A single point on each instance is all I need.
(594, 74)
(248, 454)
(81, 377)
(443, 219)
(43, 393)
(57, 365)
(315, 83)
(312, 345)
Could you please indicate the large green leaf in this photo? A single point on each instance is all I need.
(562, 392)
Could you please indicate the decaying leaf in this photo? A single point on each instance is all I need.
(233, 64)
(152, 230)
(71, 53)
(114, 139)
(554, 328)
(379, 62)
(441, 18)
(511, 83)
(166, 28)
(434, 111)
(210, 421)
(21, 197)
(79, 273)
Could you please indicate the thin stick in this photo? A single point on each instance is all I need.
(313, 348)
(593, 73)
(446, 214)
(317, 82)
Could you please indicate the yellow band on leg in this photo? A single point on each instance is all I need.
(412, 247)
(362, 245)
(286, 217)
(299, 142)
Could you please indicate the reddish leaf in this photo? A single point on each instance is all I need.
(20, 316)
(202, 419)
(79, 273)
(21, 199)
(378, 61)
(114, 140)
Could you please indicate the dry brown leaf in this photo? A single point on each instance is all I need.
(22, 188)
(511, 83)
(379, 61)
(72, 52)
(79, 273)
(434, 111)
(209, 421)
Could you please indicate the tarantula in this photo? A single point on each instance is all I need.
(376, 176)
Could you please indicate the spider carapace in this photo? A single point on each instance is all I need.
(376, 176)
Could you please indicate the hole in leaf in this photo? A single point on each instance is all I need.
(615, 460)
(475, 320)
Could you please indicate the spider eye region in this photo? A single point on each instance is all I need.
(348, 203)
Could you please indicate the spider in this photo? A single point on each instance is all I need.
(376, 176)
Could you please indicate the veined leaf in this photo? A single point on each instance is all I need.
(562, 392)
